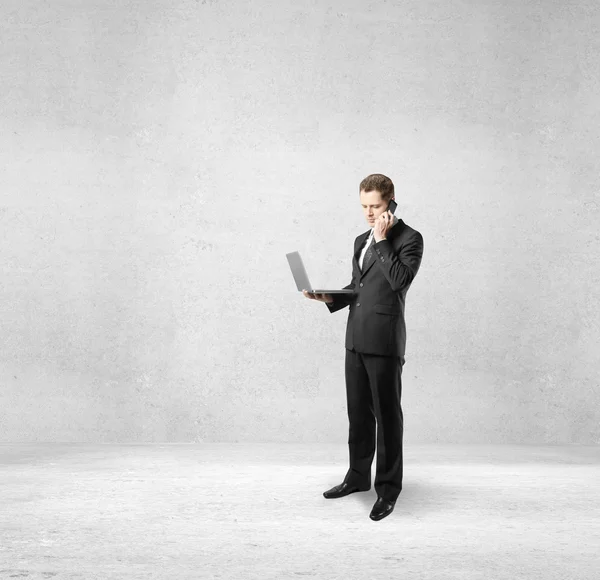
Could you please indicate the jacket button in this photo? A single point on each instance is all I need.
(358, 303)
(361, 284)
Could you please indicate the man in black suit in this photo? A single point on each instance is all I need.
(386, 259)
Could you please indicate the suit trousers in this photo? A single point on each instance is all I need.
(373, 392)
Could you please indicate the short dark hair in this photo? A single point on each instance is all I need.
(378, 182)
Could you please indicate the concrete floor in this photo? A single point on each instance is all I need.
(236, 511)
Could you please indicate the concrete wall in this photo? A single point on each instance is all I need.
(160, 157)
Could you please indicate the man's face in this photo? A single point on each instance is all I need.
(372, 205)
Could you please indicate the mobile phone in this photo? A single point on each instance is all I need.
(392, 207)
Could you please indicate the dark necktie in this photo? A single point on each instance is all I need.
(369, 255)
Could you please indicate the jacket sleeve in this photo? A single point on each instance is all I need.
(342, 300)
(400, 269)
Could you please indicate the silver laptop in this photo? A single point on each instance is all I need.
(301, 277)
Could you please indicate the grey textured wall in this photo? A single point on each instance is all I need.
(159, 158)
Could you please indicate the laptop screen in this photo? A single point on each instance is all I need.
(298, 271)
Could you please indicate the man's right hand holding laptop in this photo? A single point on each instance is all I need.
(319, 297)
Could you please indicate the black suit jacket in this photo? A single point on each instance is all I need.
(376, 319)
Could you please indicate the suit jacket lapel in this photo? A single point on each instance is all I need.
(360, 243)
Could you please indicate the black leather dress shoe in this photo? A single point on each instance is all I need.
(341, 490)
(381, 509)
